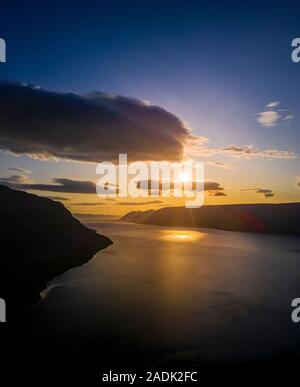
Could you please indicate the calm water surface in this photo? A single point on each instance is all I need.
(181, 294)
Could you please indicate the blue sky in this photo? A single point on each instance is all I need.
(215, 65)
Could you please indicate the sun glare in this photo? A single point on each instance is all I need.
(181, 236)
(184, 177)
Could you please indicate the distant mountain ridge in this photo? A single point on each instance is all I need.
(258, 218)
(40, 239)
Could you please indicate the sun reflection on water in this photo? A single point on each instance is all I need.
(181, 235)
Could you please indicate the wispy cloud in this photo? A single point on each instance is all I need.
(59, 198)
(58, 185)
(289, 117)
(20, 170)
(139, 203)
(220, 165)
(246, 151)
(65, 185)
(273, 104)
(14, 179)
(89, 204)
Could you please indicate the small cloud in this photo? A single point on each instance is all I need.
(14, 180)
(212, 186)
(268, 118)
(297, 182)
(289, 117)
(267, 193)
(272, 116)
(273, 104)
(218, 193)
(263, 191)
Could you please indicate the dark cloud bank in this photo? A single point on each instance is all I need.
(82, 186)
(59, 185)
(92, 127)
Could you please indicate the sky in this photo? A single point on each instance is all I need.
(224, 71)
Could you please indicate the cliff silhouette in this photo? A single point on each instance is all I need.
(40, 239)
(256, 218)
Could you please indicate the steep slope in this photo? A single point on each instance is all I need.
(259, 218)
(39, 240)
(137, 216)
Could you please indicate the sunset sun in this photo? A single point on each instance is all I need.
(184, 177)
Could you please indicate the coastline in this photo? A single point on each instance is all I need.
(272, 219)
(40, 241)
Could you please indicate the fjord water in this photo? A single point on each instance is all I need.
(179, 294)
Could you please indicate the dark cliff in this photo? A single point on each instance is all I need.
(39, 240)
(258, 218)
